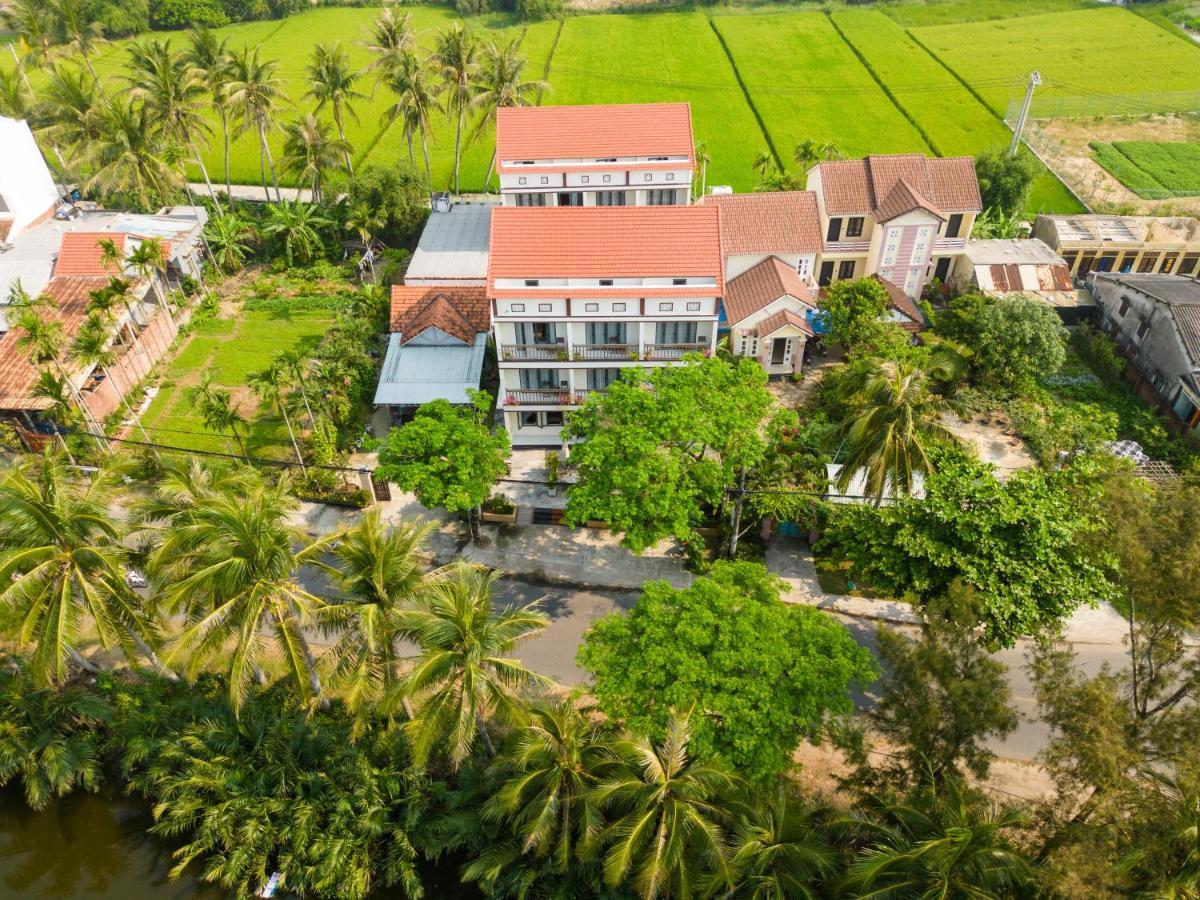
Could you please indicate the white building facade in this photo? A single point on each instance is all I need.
(27, 192)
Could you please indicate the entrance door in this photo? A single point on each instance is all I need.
(778, 351)
(942, 269)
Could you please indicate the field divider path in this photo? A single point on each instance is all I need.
(550, 58)
(737, 74)
(925, 136)
(966, 84)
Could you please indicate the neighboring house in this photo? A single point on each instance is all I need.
(1004, 267)
(1156, 322)
(579, 294)
(1143, 245)
(610, 155)
(28, 195)
(903, 217)
(782, 224)
(453, 249)
(902, 309)
(436, 348)
(769, 309)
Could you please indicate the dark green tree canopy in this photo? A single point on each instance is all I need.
(1004, 180)
(1020, 544)
(656, 449)
(1014, 340)
(857, 312)
(760, 674)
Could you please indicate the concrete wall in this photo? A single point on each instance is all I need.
(147, 349)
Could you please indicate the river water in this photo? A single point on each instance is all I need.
(95, 846)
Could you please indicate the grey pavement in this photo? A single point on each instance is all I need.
(252, 191)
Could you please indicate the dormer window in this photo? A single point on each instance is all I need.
(531, 282)
(606, 282)
(678, 281)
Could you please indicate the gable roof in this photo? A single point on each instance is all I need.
(762, 285)
(18, 376)
(769, 222)
(80, 253)
(771, 324)
(904, 198)
(903, 303)
(608, 242)
(594, 132)
(461, 312)
(860, 186)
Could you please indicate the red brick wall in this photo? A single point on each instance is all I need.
(148, 349)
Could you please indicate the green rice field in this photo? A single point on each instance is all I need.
(931, 77)
(1152, 169)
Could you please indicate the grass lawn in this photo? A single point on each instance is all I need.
(1126, 171)
(630, 58)
(230, 349)
(1170, 166)
(1104, 51)
(807, 83)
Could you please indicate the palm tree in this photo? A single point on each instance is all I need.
(363, 221)
(16, 99)
(71, 104)
(947, 842)
(668, 816)
(333, 83)
(764, 164)
(894, 415)
(500, 84)
(558, 758)
(82, 34)
(34, 24)
(215, 408)
(296, 363)
(457, 58)
(120, 290)
(208, 57)
(782, 848)
(254, 91)
(50, 739)
(702, 160)
(309, 152)
(230, 564)
(809, 152)
(175, 94)
(415, 102)
(127, 156)
(378, 571)
(464, 671)
(63, 567)
(149, 260)
(93, 347)
(270, 384)
(391, 36)
(183, 485)
(60, 409)
(226, 236)
(296, 224)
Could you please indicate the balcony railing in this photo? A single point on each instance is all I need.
(548, 396)
(847, 246)
(520, 352)
(584, 352)
(674, 351)
(947, 245)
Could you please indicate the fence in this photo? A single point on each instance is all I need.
(1052, 103)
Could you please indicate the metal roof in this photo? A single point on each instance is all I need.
(454, 245)
(1000, 251)
(418, 373)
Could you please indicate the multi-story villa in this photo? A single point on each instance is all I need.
(613, 155)
(578, 295)
(903, 217)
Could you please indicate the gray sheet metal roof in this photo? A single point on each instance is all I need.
(454, 245)
(1000, 251)
(415, 373)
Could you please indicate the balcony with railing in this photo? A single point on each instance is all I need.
(847, 246)
(610, 352)
(532, 352)
(548, 396)
(949, 245)
(674, 351)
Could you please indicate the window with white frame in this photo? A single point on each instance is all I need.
(666, 307)
(607, 179)
(531, 199)
(618, 307)
(522, 180)
(591, 307)
(804, 267)
(585, 179)
(670, 176)
(516, 307)
(545, 307)
(545, 179)
(610, 198)
(661, 197)
(693, 306)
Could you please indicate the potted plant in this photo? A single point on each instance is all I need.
(561, 354)
(552, 461)
(499, 510)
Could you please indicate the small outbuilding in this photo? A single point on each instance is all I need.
(1001, 267)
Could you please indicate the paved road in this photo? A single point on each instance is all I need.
(254, 191)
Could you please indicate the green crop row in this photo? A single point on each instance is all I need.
(1174, 166)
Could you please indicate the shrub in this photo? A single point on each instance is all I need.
(185, 13)
(1099, 352)
(539, 9)
(499, 504)
(397, 195)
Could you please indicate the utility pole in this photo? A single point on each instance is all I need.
(1035, 78)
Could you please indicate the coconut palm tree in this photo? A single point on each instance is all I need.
(363, 221)
(71, 105)
(501, 84)
(271, 386)
(894, 416)
(945, 842)
(120, 291)
(254, 91)
(34, 25)
(557, 759)
(175, 94)
(764, 164)
(227, 238)
(333, 82)
(296, 224)
(209, 59)
(296, 363)
(82, 35)
(309, 152)
(378, 571)
(63, 568)
(149, 260)
(464, 671)
(60, 410)
(782, 848)
(457, 57)
(668, 816)
(50, 739)
(127, 156)
(93, 347)
(391, 35)
(16, 98)
(183, 484)
(215, 408)
(230, 564)
(408, 79)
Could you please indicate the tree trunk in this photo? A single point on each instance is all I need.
(428, 167)
(487, 738)
(312, 422)
(487, 182)
(314, 678)
(412, 156)
(473, 524)
(129, 409)
(157, 664)
(337, 118)
(262, 161)
(207, 182)
(92, 423)
(81, 662)
(271, 165)
(291, 433)
(736, 515)
(458, 144)
(225, 132)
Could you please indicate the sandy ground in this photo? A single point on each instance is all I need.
(992, 437)
(1064, 144)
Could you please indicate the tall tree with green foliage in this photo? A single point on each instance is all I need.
(333, 82)
(1004, 181)
(254, 91)
(502, 84)
(456, 56)
(655, 453)
(1018, 339)
(309, 152)
(783, 846)
(209, 59)
(856, 313)
(766, 674)
(448, 456)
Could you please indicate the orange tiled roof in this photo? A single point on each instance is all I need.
(903, 198)
(770, 325)
(853, 186)
(607, 242)
(761, 285)
(595, 132)
(5, 228)
(904, 303)
(773, 222)
(80, 254)
(18, 375)
(462, 312)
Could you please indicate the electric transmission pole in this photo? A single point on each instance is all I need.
(1035, 78)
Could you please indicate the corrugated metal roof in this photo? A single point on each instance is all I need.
(454, 245)
(414, 374)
